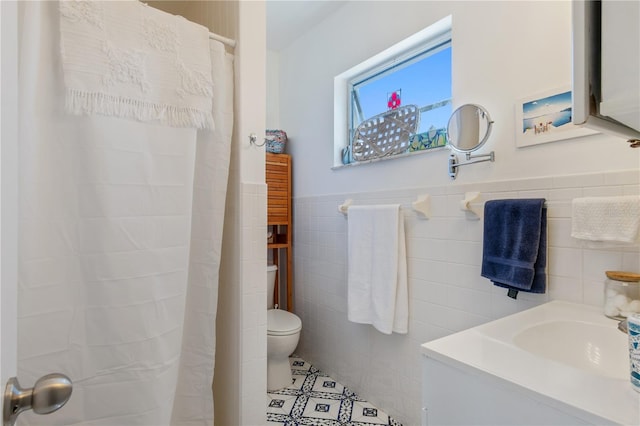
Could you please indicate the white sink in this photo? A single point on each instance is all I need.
(591, 347)
(568, 357)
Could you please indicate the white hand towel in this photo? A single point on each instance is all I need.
(377, 268)
(606, 218)
(125, 59)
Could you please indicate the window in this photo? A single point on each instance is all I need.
(398, 102)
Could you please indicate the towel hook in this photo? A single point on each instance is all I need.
(253, 140)
(423, 205)
(344, 207)
(471, 211)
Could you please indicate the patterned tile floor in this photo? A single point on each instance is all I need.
(316, 399)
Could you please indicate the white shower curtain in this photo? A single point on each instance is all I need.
(119, 247)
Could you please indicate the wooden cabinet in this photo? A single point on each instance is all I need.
(278, 178)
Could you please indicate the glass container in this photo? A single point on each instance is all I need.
(621, 294)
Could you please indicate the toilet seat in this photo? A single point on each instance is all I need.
(282, 323)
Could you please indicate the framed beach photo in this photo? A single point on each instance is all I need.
(546, 117)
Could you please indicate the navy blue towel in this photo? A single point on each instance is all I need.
(514, 252)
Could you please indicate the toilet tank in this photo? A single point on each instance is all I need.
(271, 283)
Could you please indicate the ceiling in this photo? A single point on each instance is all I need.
(288, 20)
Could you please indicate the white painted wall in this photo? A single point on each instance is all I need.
(273, 90)
(502, 52)
(251, 88)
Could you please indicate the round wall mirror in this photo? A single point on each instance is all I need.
(469, 128)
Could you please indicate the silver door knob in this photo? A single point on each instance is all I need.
(49, 393)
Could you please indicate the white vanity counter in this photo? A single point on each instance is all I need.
(558, 363)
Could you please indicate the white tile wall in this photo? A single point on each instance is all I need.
(240, 378)
(446, 291)
(253, 276)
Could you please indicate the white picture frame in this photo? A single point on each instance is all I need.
(546, 117)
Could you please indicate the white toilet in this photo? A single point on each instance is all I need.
(283, 334)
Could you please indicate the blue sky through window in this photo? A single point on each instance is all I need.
(424, 82)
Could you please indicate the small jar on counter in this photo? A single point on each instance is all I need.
(621, 294)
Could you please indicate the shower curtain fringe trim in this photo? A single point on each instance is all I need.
(88, 103)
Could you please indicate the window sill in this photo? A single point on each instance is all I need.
(391, 157)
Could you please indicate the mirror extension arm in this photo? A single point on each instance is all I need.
(454, 164)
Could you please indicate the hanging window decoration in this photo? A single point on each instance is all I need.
(386, 134)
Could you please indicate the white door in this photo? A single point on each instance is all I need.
(53, 390)
(8, 188)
